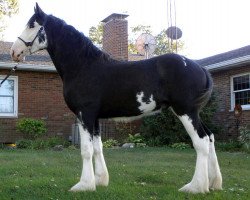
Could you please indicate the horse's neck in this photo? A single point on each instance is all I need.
(63, 61)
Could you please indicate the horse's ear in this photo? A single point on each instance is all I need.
(38, 10)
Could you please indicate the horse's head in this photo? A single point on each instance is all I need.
(33, 38)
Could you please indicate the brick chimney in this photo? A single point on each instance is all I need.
(115, 36)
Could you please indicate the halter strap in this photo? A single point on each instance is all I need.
(29, 44)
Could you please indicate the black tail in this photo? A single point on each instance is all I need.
(206, 94)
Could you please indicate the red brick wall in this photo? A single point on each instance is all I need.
(39, 96)
(224, 116)
(115, 38)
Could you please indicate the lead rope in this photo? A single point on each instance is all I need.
(8, 75)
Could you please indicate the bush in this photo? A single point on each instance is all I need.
(228, 146)
(136, 138)
(32, 128)
(124, 129)
(40, 143)
(163, 129)
(244, 138)
(180, 145)
(166, 129)
(110, 143)
(24, 144)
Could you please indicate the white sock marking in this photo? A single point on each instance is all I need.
(87, 180)
(101, 172)
(214, 174)
(199, 182)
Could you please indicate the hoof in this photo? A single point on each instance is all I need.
(215, 183)
(102, 180)
(191, 188)
(82, 186)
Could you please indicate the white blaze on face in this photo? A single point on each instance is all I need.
(147, 106)
(19, 50)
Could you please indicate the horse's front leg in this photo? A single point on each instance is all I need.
(101, 171)
(87, 180)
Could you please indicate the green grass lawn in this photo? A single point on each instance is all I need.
(147, 173)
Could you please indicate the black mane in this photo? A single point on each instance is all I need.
(75, 44)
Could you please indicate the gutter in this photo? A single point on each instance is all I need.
(228, 63)
(28, 67)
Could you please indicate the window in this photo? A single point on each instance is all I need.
(240, 87)
(9, 97)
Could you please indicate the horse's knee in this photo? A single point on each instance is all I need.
(86, 144)
(86, 151)
(97, 145)
(201, 145)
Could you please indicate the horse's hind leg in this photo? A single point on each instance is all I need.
(214, 174)
(200, 181)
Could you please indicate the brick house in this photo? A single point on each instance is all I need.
(35, 90)
(231, 75)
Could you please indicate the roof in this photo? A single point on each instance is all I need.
(114, 16)
(234, 58)
(39, 61)
(135, 57)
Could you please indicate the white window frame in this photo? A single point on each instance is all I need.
(15, 112)
(244, 107)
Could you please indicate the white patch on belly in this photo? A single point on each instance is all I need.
(145, 107)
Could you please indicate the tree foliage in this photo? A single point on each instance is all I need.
(96, 34)
(136, 31)
(32, 128)
(164, 45)
(7, 9)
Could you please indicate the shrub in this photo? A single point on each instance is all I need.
(53, 141)
(180, 145)
(40, 143)
(24, 144)
(166, 129)
(32, 128)
(124, 129)
(110, 143)
(136, 138)
(244, 138)
(163, 129)
(228, 146)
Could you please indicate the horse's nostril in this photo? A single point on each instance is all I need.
(18, 55)
(12, 53)
(22, 52)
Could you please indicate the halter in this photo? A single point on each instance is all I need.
(29, 44)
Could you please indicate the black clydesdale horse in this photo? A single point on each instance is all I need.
(96, 86)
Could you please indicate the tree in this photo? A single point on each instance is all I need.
(164, 45)
(7, 9)
(96, 34)
(136, 31)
